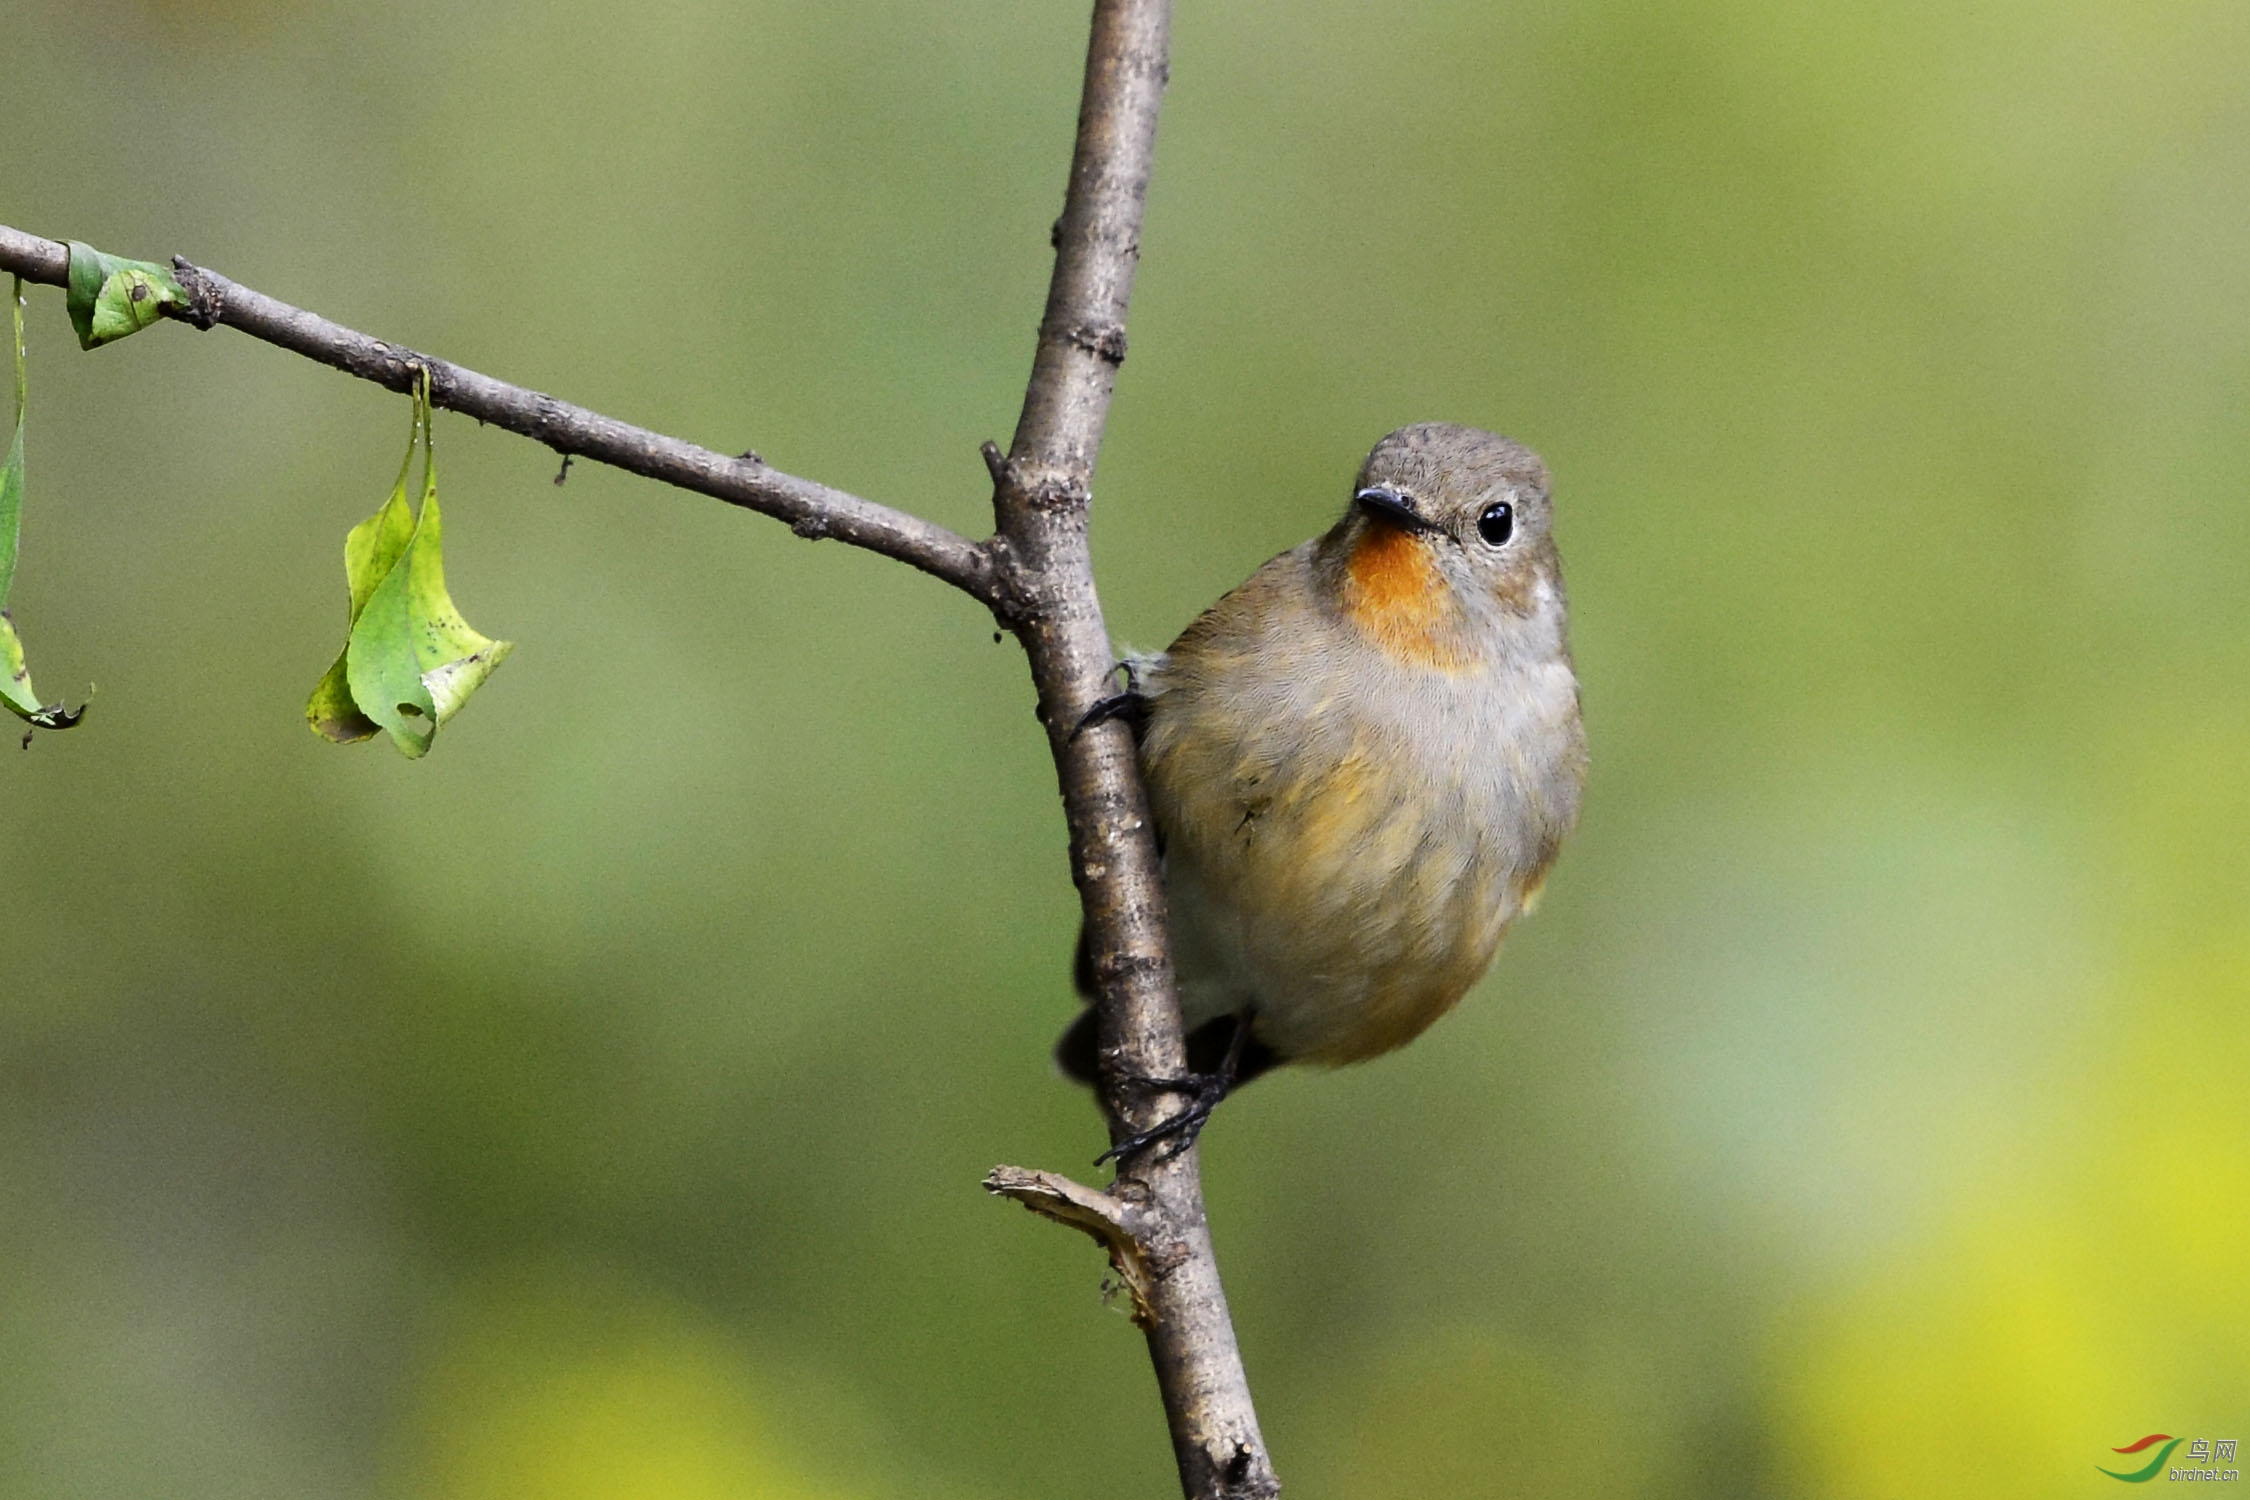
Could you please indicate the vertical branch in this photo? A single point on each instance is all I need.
(1154, 1213)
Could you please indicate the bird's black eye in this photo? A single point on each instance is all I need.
(1497, 524)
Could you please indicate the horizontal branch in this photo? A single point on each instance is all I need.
(810, 509)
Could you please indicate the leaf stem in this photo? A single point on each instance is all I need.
(15, 309)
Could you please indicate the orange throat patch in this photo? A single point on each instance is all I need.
(1401, 602)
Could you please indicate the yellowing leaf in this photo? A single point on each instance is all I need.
(371, 550)
(16, 693)
(410, 661)
(15, 686)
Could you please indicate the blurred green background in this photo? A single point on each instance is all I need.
(596, 1109)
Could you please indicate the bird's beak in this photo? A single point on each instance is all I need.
(1388, 505)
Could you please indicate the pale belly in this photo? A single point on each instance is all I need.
(1349, 833)
(1349, 910)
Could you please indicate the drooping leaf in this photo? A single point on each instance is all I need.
(16, 694)
(411, 661)
(15, 686)
(381, 666)
(371, 550)
(110, 297)
(454, 658)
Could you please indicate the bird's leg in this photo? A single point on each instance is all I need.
(1207, 1090)
(1129, 705)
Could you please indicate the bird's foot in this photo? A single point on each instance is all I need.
(1130, 705)
(1205, 1091)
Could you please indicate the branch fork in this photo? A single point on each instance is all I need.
(1110, 1222)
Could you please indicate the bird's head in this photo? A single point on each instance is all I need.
(1446, 555)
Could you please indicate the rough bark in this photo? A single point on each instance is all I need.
(1157, 1232)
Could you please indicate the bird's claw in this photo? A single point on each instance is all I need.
(1207, 1088)
(1181, 1129)
(1130, 705)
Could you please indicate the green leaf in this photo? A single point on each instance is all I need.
(371, 550)
(411, 661)
(16, 693)
(15, 686)
(109, 298)
(455, 659)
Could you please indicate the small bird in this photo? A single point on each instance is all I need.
(1361, 764)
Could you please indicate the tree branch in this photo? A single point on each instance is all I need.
(1036, 575)
(1041, 496)
(811, 510)
(1112, 1223)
